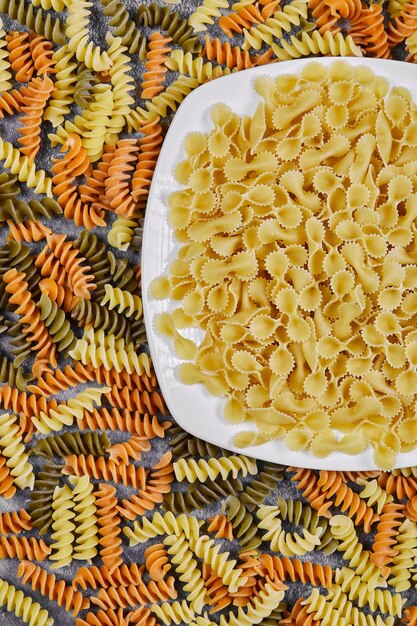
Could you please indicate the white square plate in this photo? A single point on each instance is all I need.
(191, 405)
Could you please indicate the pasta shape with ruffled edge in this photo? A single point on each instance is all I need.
(201, 280)
(14, 451)
(23, 606)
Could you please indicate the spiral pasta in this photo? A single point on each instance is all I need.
(63, 91)
(42, 495)
(14, 451)
(15, 522)
(23, 606)
(274, 26)
(85, 519)
(166, 101)
(159, 525)
(72, 443)
(170, 22)
(6, 75)
(368, 27)
(26, 171)
(343, 529)
(65, 413)
(77, 32)
(19, 55)
(42, 54)
(224, 53)
(195, 67)
(205, 14)
(126, 303)
(23, 548)
(122, 86)
(109, 352)
(56, 323)
(202, 470)
(63, 527)
(49, 586)
(242, 522)
(109, 526)
(403, 25)
(125, 27)
(156, 56)
(334, 45)
(35, 19)
(76, 381)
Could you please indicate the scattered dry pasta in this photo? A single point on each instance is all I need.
(90, 460)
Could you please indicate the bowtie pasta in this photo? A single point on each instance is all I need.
(298, 260)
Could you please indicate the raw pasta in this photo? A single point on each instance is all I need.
(295, 231)
(85, 463)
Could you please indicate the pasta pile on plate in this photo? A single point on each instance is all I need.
(298, 260)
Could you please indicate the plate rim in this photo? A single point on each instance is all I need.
(304, 459)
